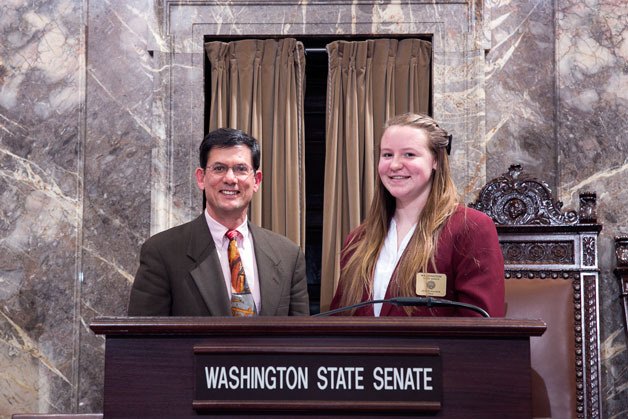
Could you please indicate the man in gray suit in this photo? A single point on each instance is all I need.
(186, 270)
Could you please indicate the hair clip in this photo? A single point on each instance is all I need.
(448, 147)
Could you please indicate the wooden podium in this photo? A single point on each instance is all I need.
(326, 366)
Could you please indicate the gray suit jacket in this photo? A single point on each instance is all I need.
(180, 274)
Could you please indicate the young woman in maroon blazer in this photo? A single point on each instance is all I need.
(417, 239)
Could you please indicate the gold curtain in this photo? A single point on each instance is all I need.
(258, 86)
(368, 82)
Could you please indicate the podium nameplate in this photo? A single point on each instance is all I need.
(321, 378)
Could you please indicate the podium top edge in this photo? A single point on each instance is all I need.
(313, 326)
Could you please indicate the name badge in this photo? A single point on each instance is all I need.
(431, 285)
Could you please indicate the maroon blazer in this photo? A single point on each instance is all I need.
(468, 252)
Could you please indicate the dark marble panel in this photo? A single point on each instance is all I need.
(520, 90)
(593, 151)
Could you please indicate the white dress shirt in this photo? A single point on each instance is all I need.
(247, 254)
(387, 262)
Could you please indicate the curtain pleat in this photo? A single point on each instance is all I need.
(258, 86)
(368, 82)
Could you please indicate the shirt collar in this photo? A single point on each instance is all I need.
(391, 238)
(218, 230)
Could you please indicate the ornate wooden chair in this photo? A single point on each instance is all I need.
(552, 274)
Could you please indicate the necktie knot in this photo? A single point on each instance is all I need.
(232, 234)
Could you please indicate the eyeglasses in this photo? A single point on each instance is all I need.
(241, 171)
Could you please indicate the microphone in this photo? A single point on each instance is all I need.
(409, 301)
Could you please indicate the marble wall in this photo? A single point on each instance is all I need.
(42, 103)
(101, 107)
(557, 101)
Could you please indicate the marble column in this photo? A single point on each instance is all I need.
(42, 108)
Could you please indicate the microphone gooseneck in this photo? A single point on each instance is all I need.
(351, 307)
(409, 301)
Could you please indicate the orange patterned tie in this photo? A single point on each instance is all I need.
(242, 303)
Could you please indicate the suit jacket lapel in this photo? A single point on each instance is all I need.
(207, 273)
(267, 260)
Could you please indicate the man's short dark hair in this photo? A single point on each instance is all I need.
(225, 138)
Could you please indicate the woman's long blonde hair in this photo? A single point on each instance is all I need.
(357, 273)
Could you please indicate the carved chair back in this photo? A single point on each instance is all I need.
(621, 272)
(551, 273)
